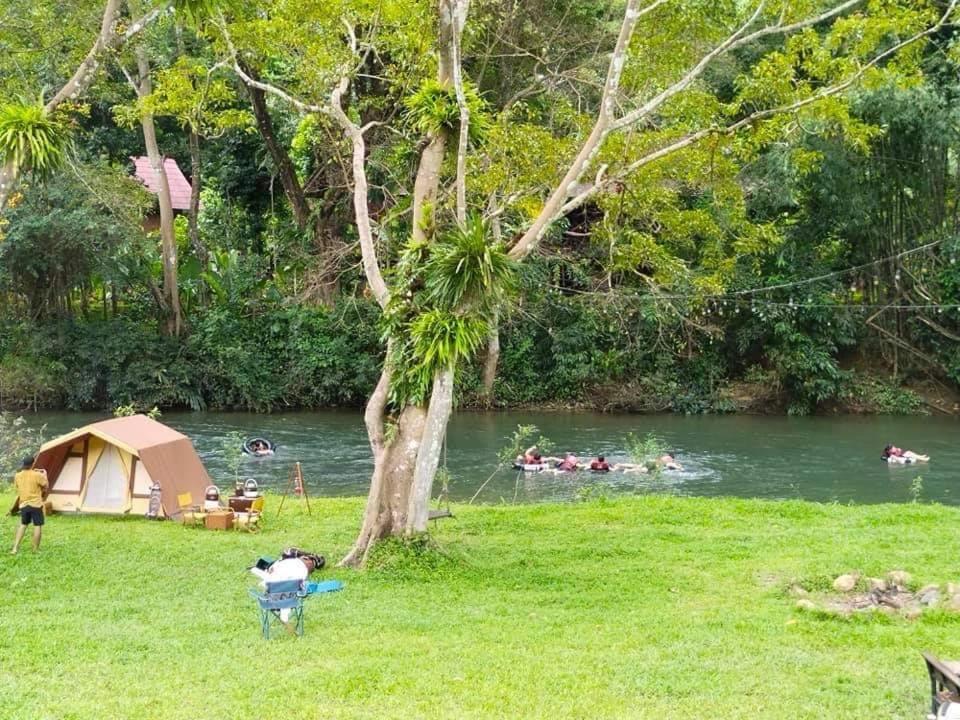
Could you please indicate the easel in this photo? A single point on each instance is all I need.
(295, 485)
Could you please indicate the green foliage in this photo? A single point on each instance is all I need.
(131, 409)
(17, 440)
(524, 437)
(31, 138)
(441, 338)
(443, 294)
(645, 450)
(232, 451)
(433, 108)
(465, 269)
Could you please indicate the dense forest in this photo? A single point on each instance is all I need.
(778, 233)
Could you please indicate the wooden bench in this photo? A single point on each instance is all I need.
(944, 681)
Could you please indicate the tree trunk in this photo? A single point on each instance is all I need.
(281, 160)
(428, 457)
(399, 500)
(194, 216)
(490, 362)
(8, 177)
(174, 319)
(404, 468)
(294, 190)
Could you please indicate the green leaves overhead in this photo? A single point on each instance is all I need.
(32, 139)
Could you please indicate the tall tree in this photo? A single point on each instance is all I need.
(442, 333)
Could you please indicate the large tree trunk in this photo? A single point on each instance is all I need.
(174, 319)
(399, 500)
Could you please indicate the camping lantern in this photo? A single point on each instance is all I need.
(211, 498)
(251, 489)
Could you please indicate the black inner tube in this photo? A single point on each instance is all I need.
(249, 449)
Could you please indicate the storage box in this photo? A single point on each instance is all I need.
(219, 520)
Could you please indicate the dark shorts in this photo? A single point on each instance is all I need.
(31, 515)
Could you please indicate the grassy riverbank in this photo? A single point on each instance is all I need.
(636, 608)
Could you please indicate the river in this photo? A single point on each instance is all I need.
(826, 459)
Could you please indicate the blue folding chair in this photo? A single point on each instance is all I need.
(277, 596)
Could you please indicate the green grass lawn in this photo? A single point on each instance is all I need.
(649, 607)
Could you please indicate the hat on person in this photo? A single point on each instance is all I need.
(27, 462)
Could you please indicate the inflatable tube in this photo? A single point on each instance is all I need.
(531, 467)
(900, 460)
(248, 447)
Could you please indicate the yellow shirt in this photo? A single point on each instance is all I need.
(30, 485)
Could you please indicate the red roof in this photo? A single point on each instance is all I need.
(179, 186)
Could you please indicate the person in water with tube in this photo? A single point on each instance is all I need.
(893, 454)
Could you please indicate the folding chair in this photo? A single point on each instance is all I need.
(250, 520)
(281, 603)
(189, 512)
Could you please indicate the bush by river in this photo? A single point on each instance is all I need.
(285, 357)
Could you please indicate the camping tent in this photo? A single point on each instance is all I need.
(110, 466)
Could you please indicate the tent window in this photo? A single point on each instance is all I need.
(71, 476)
(141, 480)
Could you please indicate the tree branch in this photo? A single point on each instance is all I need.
(549, 212)
(371, 266)
(692, 138)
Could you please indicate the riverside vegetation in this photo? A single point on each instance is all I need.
(642, 607)
(639, 298)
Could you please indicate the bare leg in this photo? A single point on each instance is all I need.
(37, 531)
(21, 529)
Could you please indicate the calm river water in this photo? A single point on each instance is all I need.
(823, 459)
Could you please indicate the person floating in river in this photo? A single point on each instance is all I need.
(569, 463)
(893, 454)
(667, 462)
(530, 456)
(600, 465)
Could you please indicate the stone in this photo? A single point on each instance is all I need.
(900, 578)
(877, 584)
(953, 589)
(954, 603)
(929, 597)
(912, 612)
(798, 591)
(804, 604)
(846, 583)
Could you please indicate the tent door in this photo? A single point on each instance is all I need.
(108, 484)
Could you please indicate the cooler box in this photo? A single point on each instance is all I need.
(219, 520)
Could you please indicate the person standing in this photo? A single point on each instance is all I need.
(31, 488)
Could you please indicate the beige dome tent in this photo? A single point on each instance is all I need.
(109, 467)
